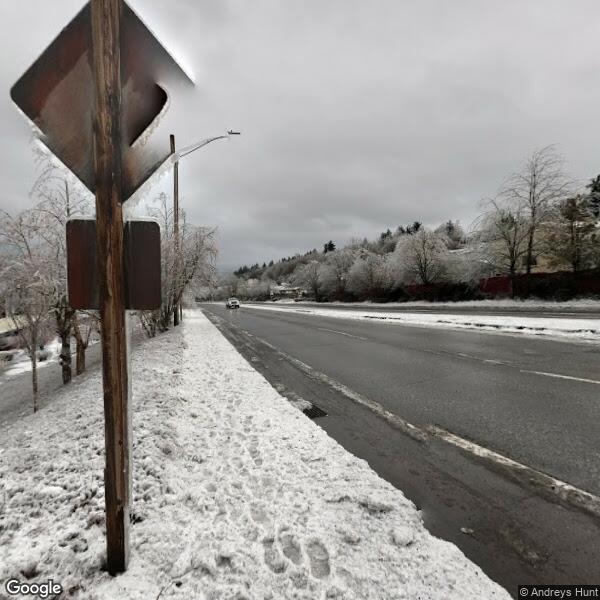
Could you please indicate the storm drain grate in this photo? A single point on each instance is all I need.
(314, 412)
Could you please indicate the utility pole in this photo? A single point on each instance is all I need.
(176, 314)
(106, 24)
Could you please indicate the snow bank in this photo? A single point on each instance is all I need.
(236, 494)
(507, 303)
(586, 329)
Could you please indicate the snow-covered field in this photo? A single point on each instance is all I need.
(585, 329)
(236, 494)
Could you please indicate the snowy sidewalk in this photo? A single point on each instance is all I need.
(578, 328)
(236, 495)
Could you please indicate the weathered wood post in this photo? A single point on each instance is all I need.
(109, 268)
(106, 22)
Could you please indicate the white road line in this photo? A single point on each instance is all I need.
(393, 419)
(356, 337)
(488, 361)
(558, 376)
(565, 492)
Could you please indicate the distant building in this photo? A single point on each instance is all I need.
(286, 291)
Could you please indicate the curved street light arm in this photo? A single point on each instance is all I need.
(189, 149)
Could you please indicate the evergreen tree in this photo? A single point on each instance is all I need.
(571, 235)
(594, 196)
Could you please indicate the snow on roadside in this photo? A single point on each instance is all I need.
(584, 329)
(504, 303)
(236, 494)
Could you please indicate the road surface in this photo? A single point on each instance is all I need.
(495, 390)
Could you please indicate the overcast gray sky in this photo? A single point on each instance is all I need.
(356, 115)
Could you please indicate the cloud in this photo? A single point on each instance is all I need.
(356, 116)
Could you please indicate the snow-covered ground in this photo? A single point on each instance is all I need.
(20, 362)
(15, 362)
(585, 329)
(236, 494)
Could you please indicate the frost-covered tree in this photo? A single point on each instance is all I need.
(195, 262)
(369, 276)
(469, 265)
(453, 234)
(62, 198)
(85, 324)
(231, 285)
(28, 287)
(257, 289)
(502, 236)
(310, 276)
(423, 256)
(335, 272)
(533, 192)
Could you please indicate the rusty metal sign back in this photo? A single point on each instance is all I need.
(141, 258)
(57, 94)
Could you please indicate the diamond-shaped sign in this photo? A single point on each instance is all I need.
(57, 94)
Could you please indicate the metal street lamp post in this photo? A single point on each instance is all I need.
(177, 156)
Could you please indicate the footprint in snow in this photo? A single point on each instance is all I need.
(258, 513)
(319, 559)
(291, 547)
(255, 454)
(273, 559)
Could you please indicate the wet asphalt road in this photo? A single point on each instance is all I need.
(472, 384)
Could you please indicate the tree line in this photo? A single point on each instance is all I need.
(539, 219)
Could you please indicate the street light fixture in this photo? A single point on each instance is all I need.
(177, 156)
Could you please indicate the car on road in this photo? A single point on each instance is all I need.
(232, 303)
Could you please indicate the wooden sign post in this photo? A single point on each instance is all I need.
(106, 24)
(94, 95)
